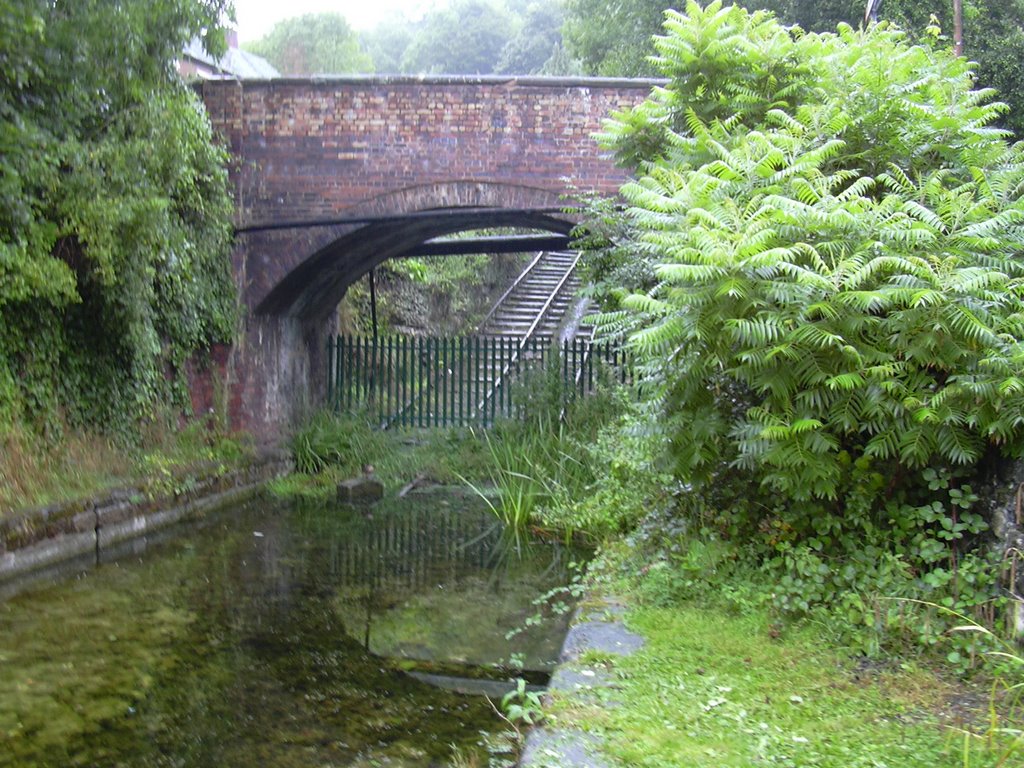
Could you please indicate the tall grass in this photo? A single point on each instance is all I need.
(1001, 741)
(533, 468)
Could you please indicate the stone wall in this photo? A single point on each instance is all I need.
(48, 535)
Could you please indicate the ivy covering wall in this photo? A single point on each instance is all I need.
(114, 211)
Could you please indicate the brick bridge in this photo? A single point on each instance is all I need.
(334, 176)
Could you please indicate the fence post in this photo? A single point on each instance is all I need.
(403, 390)
(357, 369)
(340, 378)
(497, 373)
(463, 381)
(590, 366)
(434, 357)
(475, 356)
(330, 372)
(502, 357)
(422, 391)
(444, 382)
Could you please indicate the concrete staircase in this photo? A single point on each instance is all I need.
(531, 315)
(537, 302)
(538, 310)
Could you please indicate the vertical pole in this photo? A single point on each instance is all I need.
(488, 388)
(519, 352)
(565, 371)
(590, 367)
(463, 382)
(339, 361)
(453, 384)
(476, 368)
(424, 381)
(373, 304)
(389, 362)
(494, 392)
(357, 350)
(444, 382)
(421, 391)
(403, 370)
(506, 371)
(578, 362)
(330, 372)
(456, 384)
(346, 365)
(435, 370)
(499, 379)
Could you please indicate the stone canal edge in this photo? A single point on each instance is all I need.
(597, 626)
(45, 536)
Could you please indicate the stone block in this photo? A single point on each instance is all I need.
(360, 490)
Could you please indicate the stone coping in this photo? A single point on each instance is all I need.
(47, 535)
(529, 81)
(597, 626)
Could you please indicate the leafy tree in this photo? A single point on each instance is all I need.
(114, 210)
(315, 43)
(613, 38)
(833, 336)
(465, 38)
(385, 44)
(993, 37)
(538, 38)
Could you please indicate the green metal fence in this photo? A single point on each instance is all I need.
(416, 381)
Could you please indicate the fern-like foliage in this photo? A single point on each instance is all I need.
(834, 234)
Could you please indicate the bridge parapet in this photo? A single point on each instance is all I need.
(315, 147)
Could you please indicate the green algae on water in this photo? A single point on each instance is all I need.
(272, 636)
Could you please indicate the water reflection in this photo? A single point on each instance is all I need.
(272, 636)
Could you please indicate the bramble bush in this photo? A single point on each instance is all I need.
(833, 341)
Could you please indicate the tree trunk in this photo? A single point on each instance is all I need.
(958, 27)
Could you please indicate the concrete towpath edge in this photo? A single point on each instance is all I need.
(38, 538)
(596, 626)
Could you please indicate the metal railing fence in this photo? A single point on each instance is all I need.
(418, 381)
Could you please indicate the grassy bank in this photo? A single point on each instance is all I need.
(36, 472)
(716, 688)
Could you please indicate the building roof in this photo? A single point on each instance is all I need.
(234, 63)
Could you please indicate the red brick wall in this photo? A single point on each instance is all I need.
(317, 148)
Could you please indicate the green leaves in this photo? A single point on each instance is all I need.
(114, 211)
(835, 233)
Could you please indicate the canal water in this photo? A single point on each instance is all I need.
(280, 636)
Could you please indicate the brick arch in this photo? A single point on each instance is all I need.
(317, 279)
(458, 193)
(326, 149)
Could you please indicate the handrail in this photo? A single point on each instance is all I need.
(505, 295)
(547, 304)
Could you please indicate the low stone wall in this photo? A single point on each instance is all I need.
(48, 535)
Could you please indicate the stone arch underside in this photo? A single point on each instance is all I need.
(312, 288)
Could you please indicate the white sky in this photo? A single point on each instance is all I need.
(256, 17)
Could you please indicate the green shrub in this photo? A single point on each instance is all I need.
(345, 442)
(832, 348)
